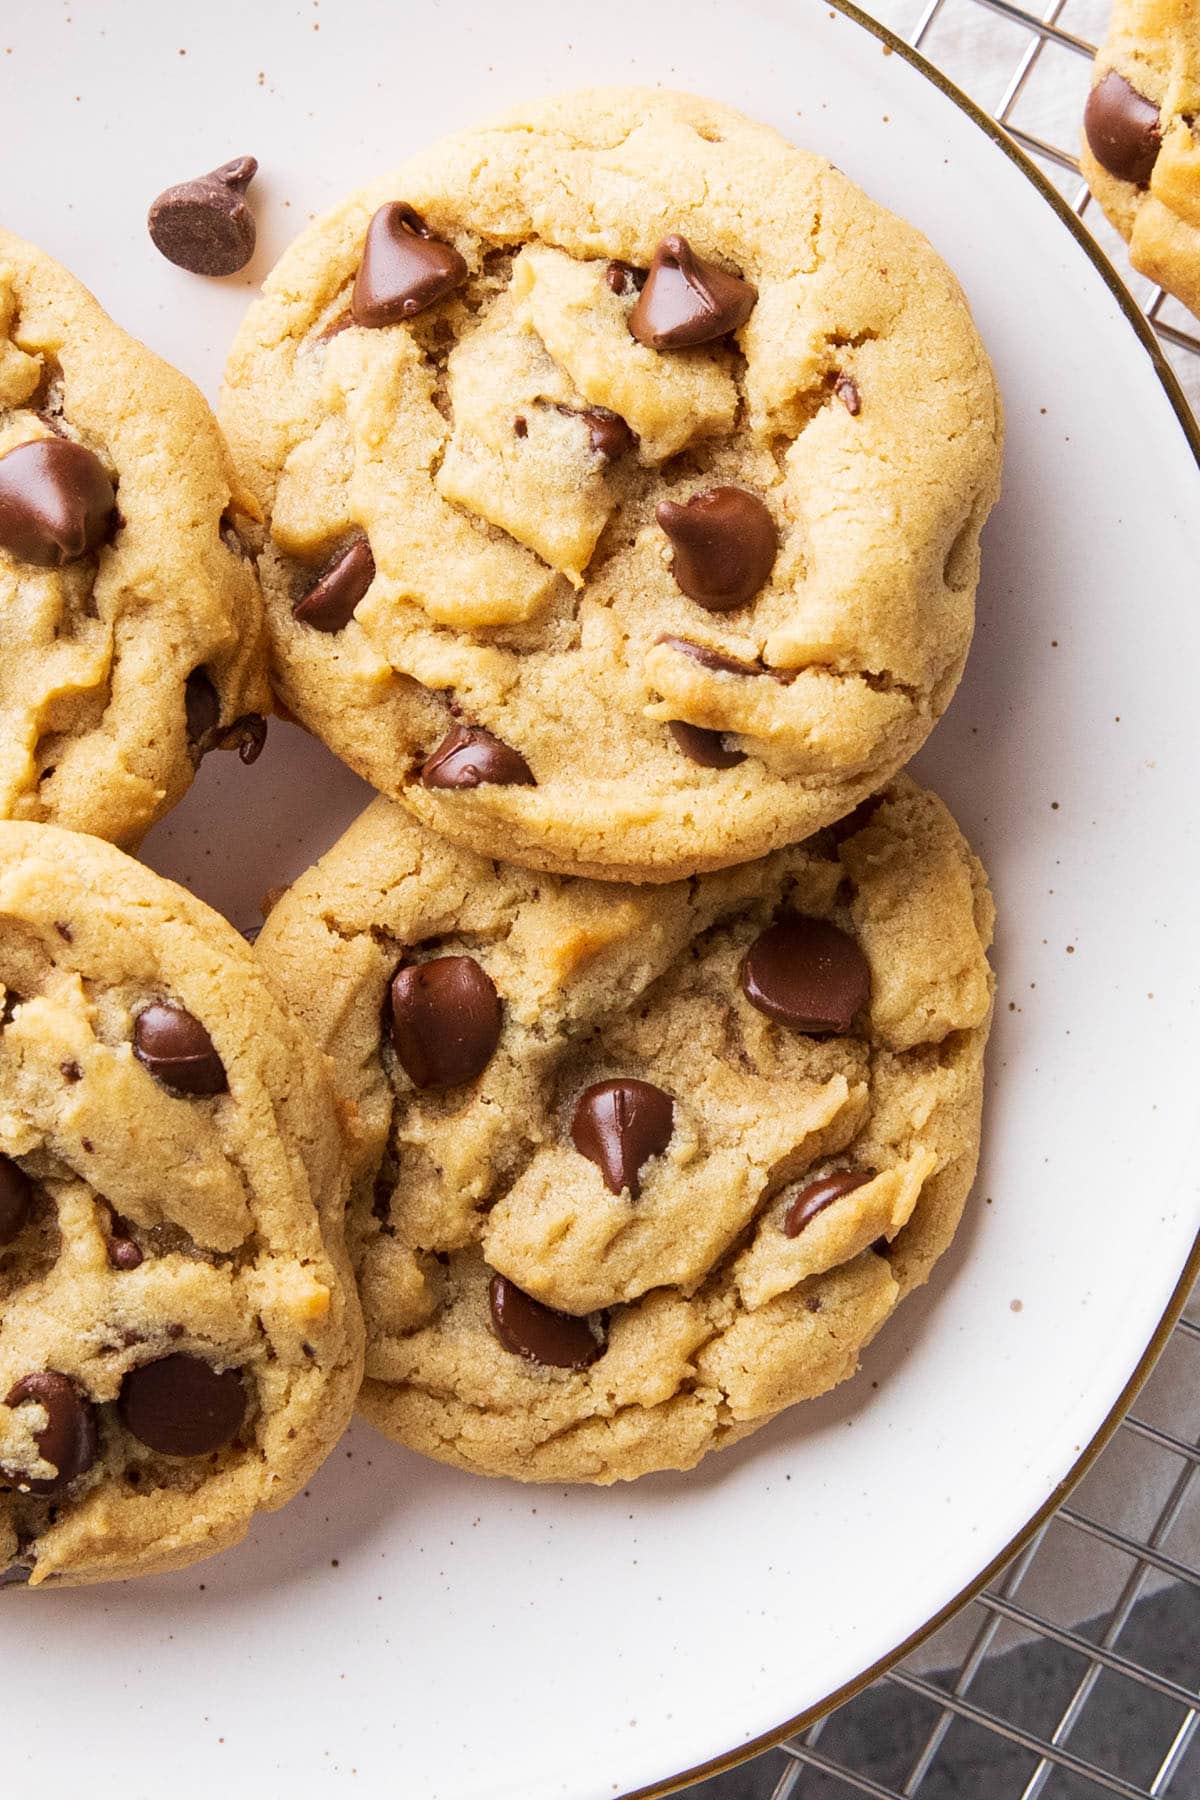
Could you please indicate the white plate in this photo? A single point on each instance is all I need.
(410, 1631)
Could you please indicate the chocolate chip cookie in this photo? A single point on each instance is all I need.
(638, 1167)
(180, 1344)
(1141, 154)
(129, 607)
(622, 470)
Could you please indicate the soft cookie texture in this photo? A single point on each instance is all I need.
(1141, 154)
(180, 1343)
(129, 607)
(622, 470)
(636, 1168)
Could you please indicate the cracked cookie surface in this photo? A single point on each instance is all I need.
(1141, 153)
(130, 609)
(474, 422)
(638, 1167)
(180, 1343)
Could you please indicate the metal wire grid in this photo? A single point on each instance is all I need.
(957, 1736)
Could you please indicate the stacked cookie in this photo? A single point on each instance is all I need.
(614, 477)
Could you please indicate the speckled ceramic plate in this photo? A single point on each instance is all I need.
(405, 1630)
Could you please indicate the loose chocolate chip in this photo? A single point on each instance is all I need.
(711, 659)
(619, 1125)
(68, 1439)
(538, 1333)
(725, 543)
(205, 225)
(404, 268)
(177, 1050)
(468, 756)
(16, 1198)
(329, 604)
(182, 1406)
(819, 1194)
(687, 300)
(1123, 129)
(445, 1020)
(56, 502)
(846, 389)
(708, 748)
(807, 974)
(622, 277)
(608, 433)
(202, 708)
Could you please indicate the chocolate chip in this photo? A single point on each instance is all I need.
(249, 733)
(538, 1333)
(177, 1050)
(623, 278)
(70, 1071)
(404, 268)
(1123, 129)
(205, 225)
(846, 389)
(56, 502)
(468, 756)
(124, 1252)
(182, 1406)
(202, 708)
(725, 543)
(608, 434)
(711, 659)
(329, 604)
(708, 748)
(687, 300)
(520, 426)
(619, 1125)
(68, 1439)
(819, 1194)
(16, 1199)
(807, 974)
(445, 1017)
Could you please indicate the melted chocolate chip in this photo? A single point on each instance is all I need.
(819, 1194)
(807, 974)
(538, 1333)
(182, 1406)
(329, 604)
(725, 543)
(404, 268)
(205, 225)
(1123, 129)
(687, 300)
(619, 1125)
(711, 659)
(56, 502)
(445, 1019)
(177, 1050)
(16, 1199)
(608, 434)
(468, 756)
(69, 1439)
(708, 748)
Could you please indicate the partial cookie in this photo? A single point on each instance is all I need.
(180, 1343)
(622, 469)
(129, 607)
(636, 1168)
(1141, 154)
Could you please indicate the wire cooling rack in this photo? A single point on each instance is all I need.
(1110, 1706)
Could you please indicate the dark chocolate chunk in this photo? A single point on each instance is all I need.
(202, 709)
(711, 659)
(819, 1194)
(445, 1020)
(807, 974)
(1123, 129)
(725, 543)
(619, 1125)
(16, 1199)
(329, 604)
(539, 1333)
(56, 502)
(177, 1050)
(69, 1439)
(468, 756)
(687, 300)
(404, 268)
(205, 225)
(182, 1406)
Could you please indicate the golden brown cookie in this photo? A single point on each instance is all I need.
(1140, 152)
(129, 608)
(180, 1343)
(622, 470)
(636, 1168)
